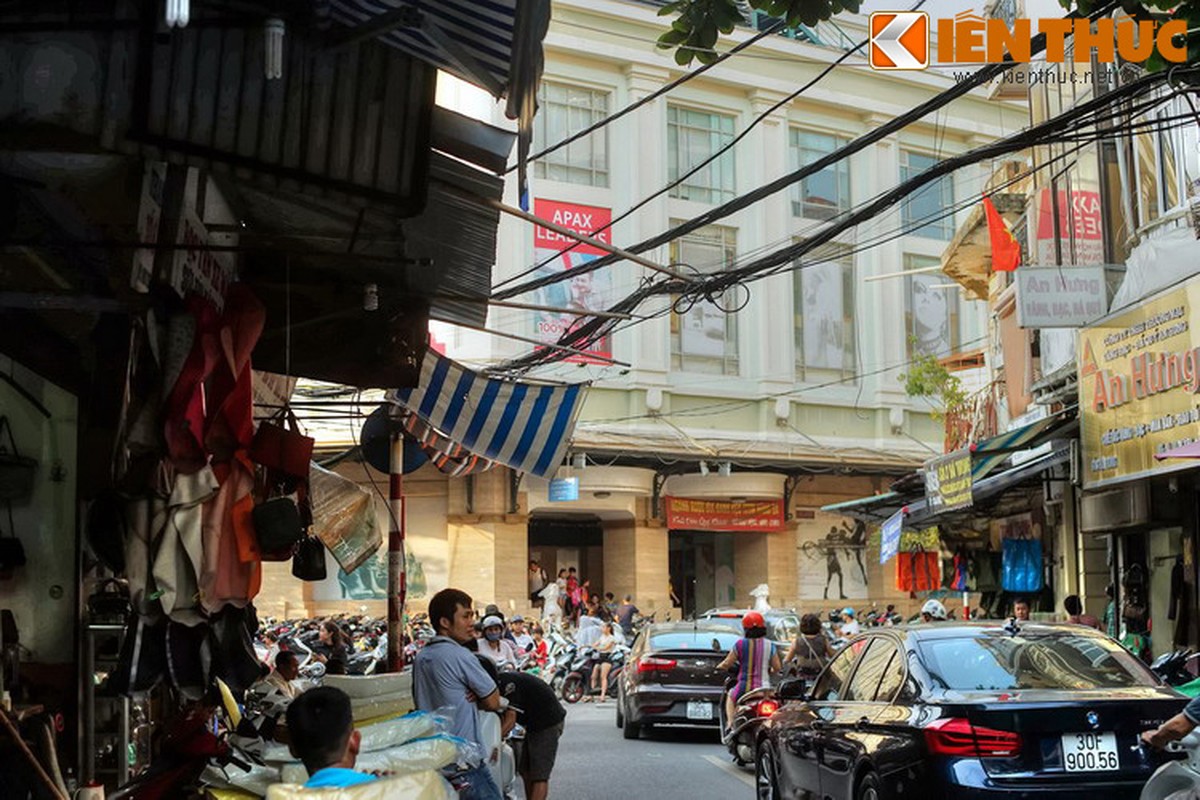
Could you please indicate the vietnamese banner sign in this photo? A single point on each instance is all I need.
(724, 515)
(948, 481)
(590, 291)
(1139, 374)
(1060, 297)
(889, 537)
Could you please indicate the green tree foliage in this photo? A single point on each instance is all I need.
(928, 377)
(698, 23)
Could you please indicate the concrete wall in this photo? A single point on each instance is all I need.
(43, 594)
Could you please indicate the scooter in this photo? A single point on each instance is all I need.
(578, 682)
(1176, 776)
(752, 709)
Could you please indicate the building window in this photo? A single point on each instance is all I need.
(823, 292)
(930, 310)
(929, 210)
(704, 336)
(823, 194)
(693, 137)
(565, 110)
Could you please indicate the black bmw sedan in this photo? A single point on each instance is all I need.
(671, 677)
(967, 711)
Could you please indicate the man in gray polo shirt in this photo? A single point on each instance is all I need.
(447, 675)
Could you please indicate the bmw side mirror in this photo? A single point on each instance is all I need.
(792, 689)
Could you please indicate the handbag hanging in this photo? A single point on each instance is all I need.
(16, 470)
(280, 446)
(308, 564)
(12, 551)
(278, 527)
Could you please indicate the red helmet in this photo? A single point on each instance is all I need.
(753, 619)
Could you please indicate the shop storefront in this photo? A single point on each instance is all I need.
(1139, 374)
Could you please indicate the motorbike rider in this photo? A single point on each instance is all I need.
(810, 651)
(603, 648)
(1176, 727)
(754, 657)
(933, 611)
(495, 646)
(850, 625)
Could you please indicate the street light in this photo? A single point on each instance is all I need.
(178, 13)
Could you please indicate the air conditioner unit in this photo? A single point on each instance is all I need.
(1120, 508)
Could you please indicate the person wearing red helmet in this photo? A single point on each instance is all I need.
(754, 657)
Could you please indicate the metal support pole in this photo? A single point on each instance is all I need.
(397, 585)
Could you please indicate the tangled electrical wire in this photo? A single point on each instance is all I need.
(1099, 118)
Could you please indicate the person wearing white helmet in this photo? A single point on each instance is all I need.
(499, 649)
(933, 611)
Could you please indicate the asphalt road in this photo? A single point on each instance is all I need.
(596, 763)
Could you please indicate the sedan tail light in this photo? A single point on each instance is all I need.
(652, 664)
(958, 737)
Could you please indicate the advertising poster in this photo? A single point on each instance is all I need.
(1080, 218)
(590, 291)
(822, 286)
(832, 553)
(931, 317)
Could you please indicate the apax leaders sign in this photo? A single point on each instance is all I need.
(1139, 376)
(586, 291)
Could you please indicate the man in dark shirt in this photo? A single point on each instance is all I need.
(625, 614)
(537, 709)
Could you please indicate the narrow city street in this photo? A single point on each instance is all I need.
(595, 762)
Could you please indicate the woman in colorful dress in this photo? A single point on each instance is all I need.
(754, 657)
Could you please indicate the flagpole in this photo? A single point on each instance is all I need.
(397, 585)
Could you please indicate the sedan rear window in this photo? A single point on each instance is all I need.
(1001, 662)
(688, 640)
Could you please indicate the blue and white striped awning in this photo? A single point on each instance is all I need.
(525, 426)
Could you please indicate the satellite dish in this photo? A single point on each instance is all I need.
(374, 441)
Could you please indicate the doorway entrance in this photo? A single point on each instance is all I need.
(702, 577)
(565, 541)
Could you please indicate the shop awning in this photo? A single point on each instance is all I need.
(875, 508)
(920, 515)
(991, 453)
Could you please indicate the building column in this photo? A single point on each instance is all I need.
(768, 558)
(488, 547)
(637, 562)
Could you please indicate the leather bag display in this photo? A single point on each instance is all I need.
(278, 527)
(280, 446)
(308, 564)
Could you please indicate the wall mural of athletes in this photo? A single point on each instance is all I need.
(832, 558)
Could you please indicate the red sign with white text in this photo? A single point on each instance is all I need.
(724, 515)
(572, 216)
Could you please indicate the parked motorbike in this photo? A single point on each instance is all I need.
(578, 682)
(1180, 776)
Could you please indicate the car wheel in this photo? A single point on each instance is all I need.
(572, 689)
(631, 729)
(868, 787)
(620, 716)
(765, 786)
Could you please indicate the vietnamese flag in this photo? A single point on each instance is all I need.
(1006, 253)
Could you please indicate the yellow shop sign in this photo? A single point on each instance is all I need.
(1139, 375)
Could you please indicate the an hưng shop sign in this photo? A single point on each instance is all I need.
(1139, 387)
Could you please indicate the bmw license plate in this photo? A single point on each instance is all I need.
(1090, 752)
(698, 709)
